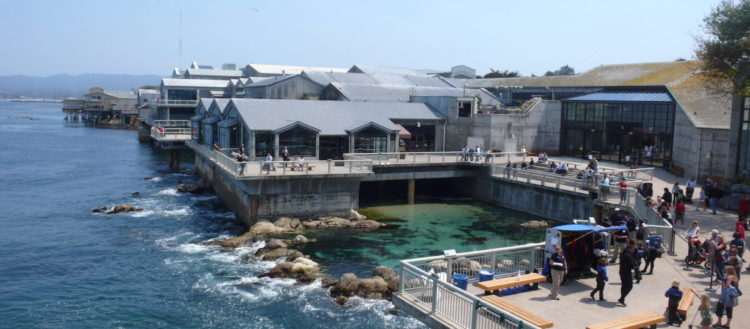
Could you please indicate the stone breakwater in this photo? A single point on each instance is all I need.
(293, 264)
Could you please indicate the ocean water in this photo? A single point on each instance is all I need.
(61, 266)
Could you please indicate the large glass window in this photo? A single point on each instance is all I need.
(614, 130)
(264, 144)
(743, 146)
(370, 140)
(178, 94)
(299, 141)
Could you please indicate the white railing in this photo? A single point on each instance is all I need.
(171, 134)
(426, 281)
(393, 158)
(170, 123)
(280, 168)
(655, 224)
(176, 102)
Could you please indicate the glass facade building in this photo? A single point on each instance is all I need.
(613, 124)
(743, 146)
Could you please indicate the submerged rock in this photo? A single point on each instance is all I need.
(535, 224)
(233, 243)
(300, 239)
(197, 188)
(135, 194)
(99, 210)
(123, 208)
(381, 286)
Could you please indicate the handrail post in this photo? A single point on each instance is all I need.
(558, 183)
(380, 160)
(414, 158)
(443, 154)
(283, 170)
(350, 167)
(401, 278)
(428, 158)
(434, 293)
(474, 310)
(329, 166)
(449, 269)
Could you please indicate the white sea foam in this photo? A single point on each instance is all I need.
(144, 213)
(169, 191)
(154, 179)
(192, 248)
(177, 212)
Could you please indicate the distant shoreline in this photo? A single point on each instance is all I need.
(31, 100)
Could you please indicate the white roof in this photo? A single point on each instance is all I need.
(289, 69)
(194, 83)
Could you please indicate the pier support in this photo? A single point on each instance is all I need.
(174, 160)
(410, 191)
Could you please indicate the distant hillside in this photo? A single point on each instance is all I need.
(66, 85)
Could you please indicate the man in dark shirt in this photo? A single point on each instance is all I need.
(627, 264)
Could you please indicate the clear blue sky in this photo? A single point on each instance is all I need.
(142, 37)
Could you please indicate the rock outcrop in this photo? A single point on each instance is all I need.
(301, 269)
(123, 208)
(197, 188)
(338, 222)
(233, 243)
(381, 285)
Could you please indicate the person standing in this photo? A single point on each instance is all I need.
(667, 197)
(715, 193)
(743, 208)
(651, 253)
(727, 301)
(623, 190)
(621, 240)
(679, 212)
(478, 154)
(285, 155)
(559, 267)
(693, 233)
(465, 153)
(601, 278)
(627, 265)
(690, 189)
(674, 294)
(718, 246)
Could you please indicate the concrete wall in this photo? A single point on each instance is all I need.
(457, 130)
(539, 130)
(533, 199)
(692, 147)
(251, 200)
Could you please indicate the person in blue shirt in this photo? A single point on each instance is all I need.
(674, 294)
(601, 277)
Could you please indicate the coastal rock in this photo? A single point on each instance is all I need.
(353, 214)
(375, 287)
(288, 223)
(265, 228)
(191, 188)
(389, 275)
(329, 222)
(149, 178)
(302, 269)
(123, 208)
(365, 224)
(233, 243)
(275, 244)
(274, 254)
(135, 194)
(312, 224)
(99, 210)
(300, 239)
(535, 224)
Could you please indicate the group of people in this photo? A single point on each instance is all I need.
(476, 154)
(560, 169)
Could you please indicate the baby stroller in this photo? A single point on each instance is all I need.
(698, 254)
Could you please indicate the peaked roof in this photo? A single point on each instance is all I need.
(118, 93)
(400, 93)
(329, 117)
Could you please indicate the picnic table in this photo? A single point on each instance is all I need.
(514, 281)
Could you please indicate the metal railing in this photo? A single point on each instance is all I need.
(187, 102)
(225, 160)
(171, 134)
(425, 281)
(170, 123)
(391, 158)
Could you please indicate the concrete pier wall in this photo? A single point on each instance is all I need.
(300, 197)
(546, 202)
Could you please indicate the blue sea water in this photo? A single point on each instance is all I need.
(61, 266)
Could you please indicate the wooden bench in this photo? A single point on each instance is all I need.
(518, 311)
(645, 319)
(687, 300)
(514, 281)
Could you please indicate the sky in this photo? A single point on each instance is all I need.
(43, 38)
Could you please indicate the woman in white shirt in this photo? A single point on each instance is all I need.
(693, 232)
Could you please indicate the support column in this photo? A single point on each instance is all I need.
(410, 191)
(276, 147)
(174, 160)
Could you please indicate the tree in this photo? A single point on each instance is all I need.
(725, 51)
(501, 74)
(564, 70)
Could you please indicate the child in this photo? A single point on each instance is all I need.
(705, 310)
(674, 294)
(601, 277)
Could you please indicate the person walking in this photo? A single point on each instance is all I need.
(651, 254)
(601, 278)
(690, 189)
(621, 240)
(559, 267)
(465, 153)
(627, 264)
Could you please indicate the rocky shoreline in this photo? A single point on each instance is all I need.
(293, 264)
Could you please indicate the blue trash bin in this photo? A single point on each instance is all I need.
(486, 275)
(461, 280)
(655, 241)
